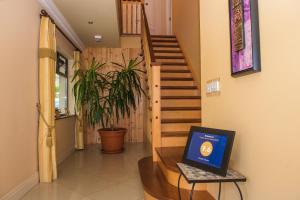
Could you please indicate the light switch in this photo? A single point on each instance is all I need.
(213, 86)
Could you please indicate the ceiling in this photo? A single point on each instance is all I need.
(104, 15)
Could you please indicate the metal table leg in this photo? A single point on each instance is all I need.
(192, 191)
(220, 188)
(179, 195)
(237, 186)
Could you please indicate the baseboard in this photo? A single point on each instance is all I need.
(19, 191)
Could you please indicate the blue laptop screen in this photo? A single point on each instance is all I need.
(207, 149)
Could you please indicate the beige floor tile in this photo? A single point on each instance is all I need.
(52, 192)
(91, 175)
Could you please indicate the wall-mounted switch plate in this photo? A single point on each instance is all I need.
(213, 86)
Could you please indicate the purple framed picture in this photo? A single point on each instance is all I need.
(244, 37)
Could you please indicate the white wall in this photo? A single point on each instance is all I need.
(19, 22)
(262, 108)
(186, 27)
(65, 138)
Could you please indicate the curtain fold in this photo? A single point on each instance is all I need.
(79, 138)
(46, 107)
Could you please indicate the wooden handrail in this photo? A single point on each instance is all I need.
(148, 34)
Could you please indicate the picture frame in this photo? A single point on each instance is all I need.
(244, 37)
(219, 151)
(62, 65)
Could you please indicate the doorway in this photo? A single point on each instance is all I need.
(159, 14)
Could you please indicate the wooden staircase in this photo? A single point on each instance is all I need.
(180, 95)
(174, 106)
(160, 178)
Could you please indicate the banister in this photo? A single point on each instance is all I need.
(152, 57)
(130, 14)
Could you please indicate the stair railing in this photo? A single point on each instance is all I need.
(130, 17)
(153, 76)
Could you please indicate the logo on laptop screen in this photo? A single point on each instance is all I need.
(206, 149)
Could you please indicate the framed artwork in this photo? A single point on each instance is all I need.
(244, 37)
(62, 65)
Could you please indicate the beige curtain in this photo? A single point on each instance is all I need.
(79, 140)
(46, 138)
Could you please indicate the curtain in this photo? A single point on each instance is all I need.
(46, 107)
(79, 140)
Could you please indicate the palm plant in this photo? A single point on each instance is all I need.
(110, 96)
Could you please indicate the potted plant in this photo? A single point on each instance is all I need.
(107, 97)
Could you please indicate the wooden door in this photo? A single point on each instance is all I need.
(169, 17)
(158, 14)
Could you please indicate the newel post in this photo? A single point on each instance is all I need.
(156, 110)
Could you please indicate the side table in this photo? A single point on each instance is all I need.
(194, 175)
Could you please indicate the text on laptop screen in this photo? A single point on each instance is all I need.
(207, 149)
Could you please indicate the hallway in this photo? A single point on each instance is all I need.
(91, 175)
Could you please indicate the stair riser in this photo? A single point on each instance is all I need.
(166, 48)
(179, 92)
(180, 103)
(170, 67)
(171, 60)
(168, 54)
(178, 126)
(173, 141)
(181, 114)
(178, 83)
(165, 43)
(176, 75)
(167, 39)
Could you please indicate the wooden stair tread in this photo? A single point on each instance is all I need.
(179, 87)
(176, 79)
(170, 156)
(174, 63)
(163, 36)
(166, 45)
(181, 97)
(169, 121)
(174, 71)
(166, 51)
(169, 57)
(178, 108)
(174, 134)
(164, 41)
(155, 184)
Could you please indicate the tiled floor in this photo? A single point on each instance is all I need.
(90, 175)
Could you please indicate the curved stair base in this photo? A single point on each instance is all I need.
(156, 187)
(167, 159)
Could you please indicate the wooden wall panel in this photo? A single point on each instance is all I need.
(131, 17)
(135, 123)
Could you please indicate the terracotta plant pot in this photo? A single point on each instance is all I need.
(112, 141)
